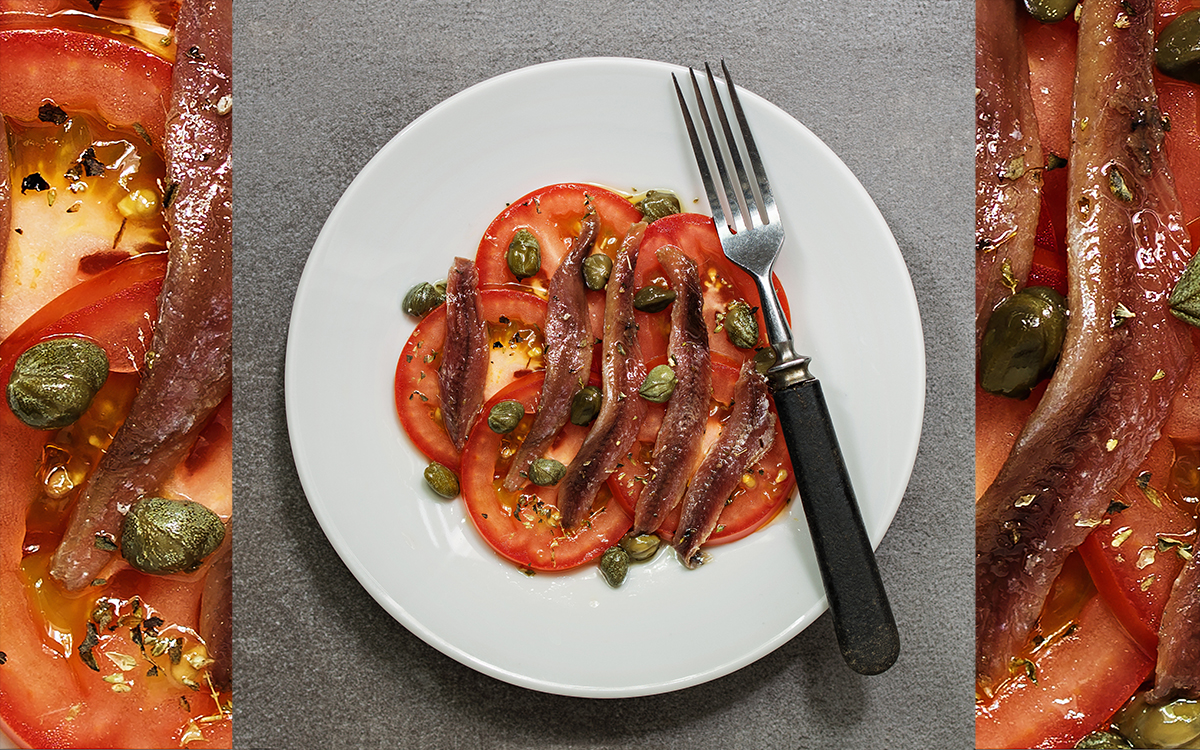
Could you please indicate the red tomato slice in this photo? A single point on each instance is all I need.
(515, 322)
(1132, 572)
(116, 309)
(523, 526)
(722, 281)
(1081, 681)
(1051, 52)
(124, 84)
(1048, 269)
(765, 489)
(553, 214)
(48, 696)
(1073, 681)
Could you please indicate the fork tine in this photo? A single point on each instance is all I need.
(731, 142)
(764, 187)
(735, 212)
(706, 177)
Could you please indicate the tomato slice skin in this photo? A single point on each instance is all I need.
(116, 308)
(418, 395)
(533, 540)
(122, 83)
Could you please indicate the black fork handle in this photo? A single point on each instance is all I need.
(862, 618)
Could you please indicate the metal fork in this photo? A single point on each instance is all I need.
(752, 236)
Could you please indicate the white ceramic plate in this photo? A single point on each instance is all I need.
(426, 197)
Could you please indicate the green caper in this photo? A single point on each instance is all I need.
(1103, 740)
(1177, 53)
(764, 359)
(741, 327)
(546, 472)
(653, 298)
(658, 385)
(657, 204)
(505, 416)
(596, 269)
(423, 299)
(641, 547)
(1175, 723)
(1022, 341)
(53, 382)
(524, 254)
(1050, 11)
(614, 564)
(161, 536)
(441, 480)
(585, 405)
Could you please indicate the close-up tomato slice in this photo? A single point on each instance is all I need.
(765, 489)
(721, 280)
(523, 526)
(121, 83)
(55, 699)
(125, 662)
(515, 320)
(553, 215)
(1059, 693)
(116, 309)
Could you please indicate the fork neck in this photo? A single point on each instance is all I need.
(790, 368)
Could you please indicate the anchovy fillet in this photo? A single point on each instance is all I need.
(746, 436)
(1178, 672)
(464, 365)
(623, 371)
(677, 447)
(568, 353)
(1124, 355)
(189, 369)
(1008, 160)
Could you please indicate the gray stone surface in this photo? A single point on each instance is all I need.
(320, 87)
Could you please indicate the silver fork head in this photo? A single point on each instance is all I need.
(752, 235)
(749, 210)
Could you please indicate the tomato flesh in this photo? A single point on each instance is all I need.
(48, 696)
(1081, 681)
(523, 526)
(121, 83)
(116, 309)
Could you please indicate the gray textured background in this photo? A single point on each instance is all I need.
(320, 87)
